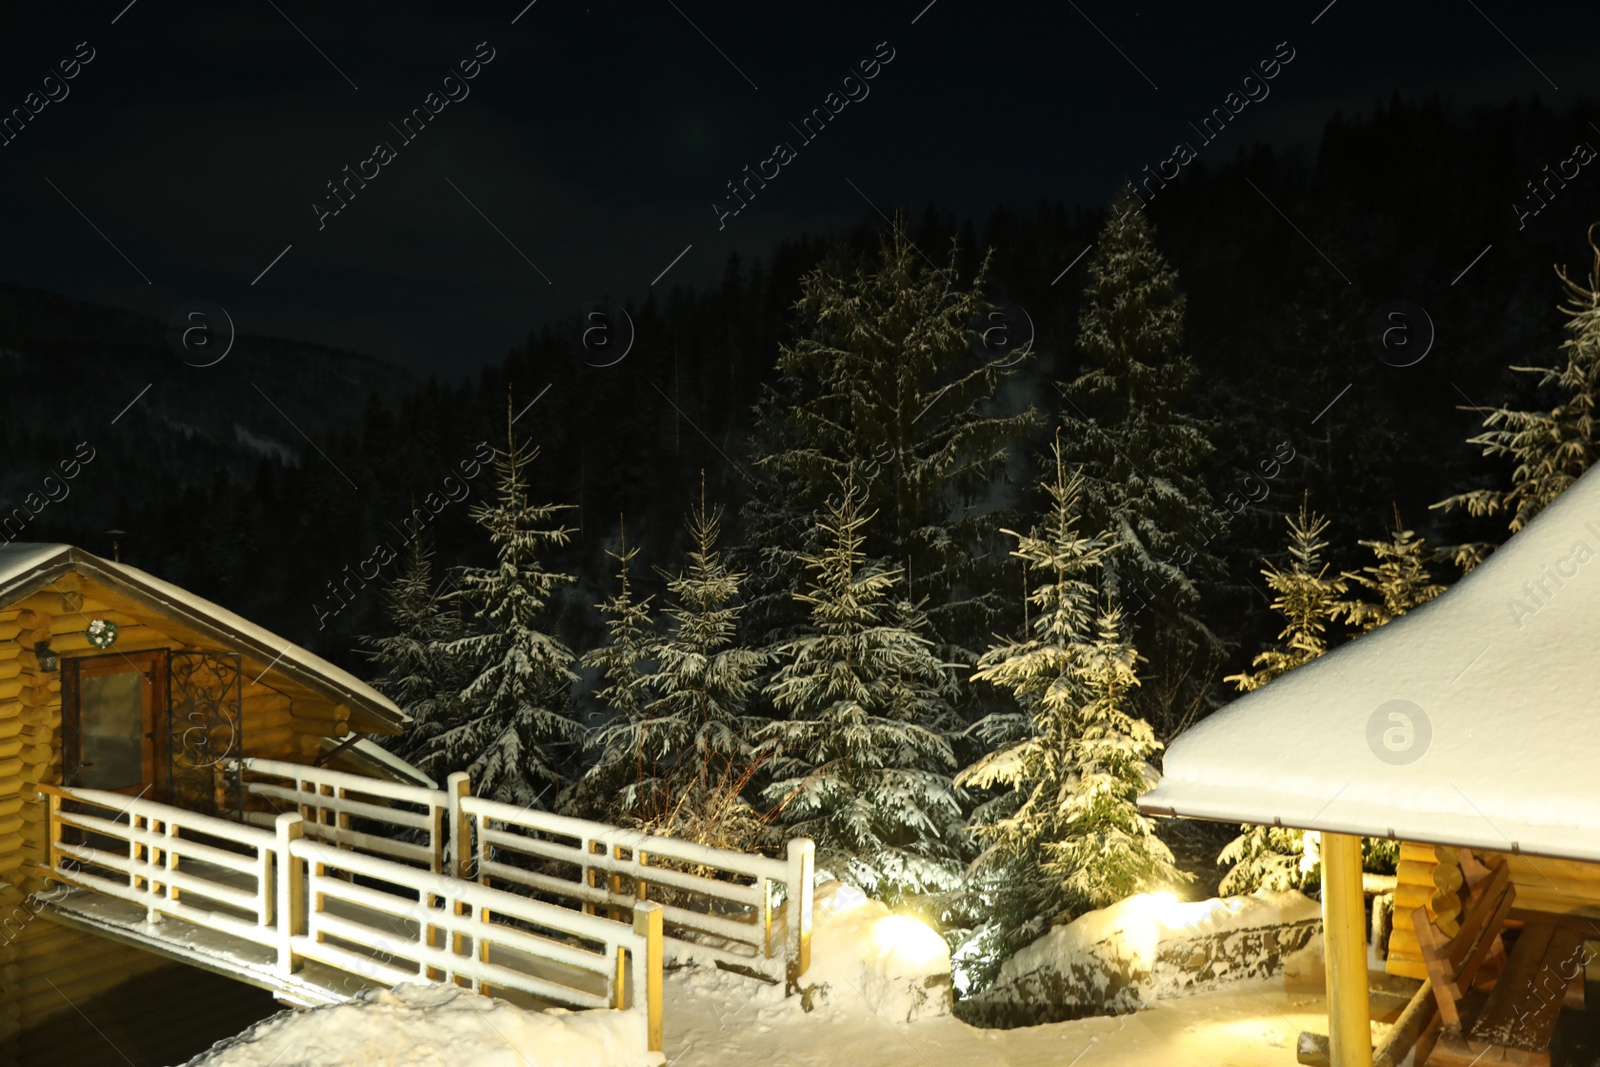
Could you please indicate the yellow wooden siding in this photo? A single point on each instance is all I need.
(281, 721)
(1551, 885)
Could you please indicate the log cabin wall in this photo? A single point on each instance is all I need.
(1542, 884)
(1413, 889)
(46, 968)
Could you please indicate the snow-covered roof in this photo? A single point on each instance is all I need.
(25, 568)
(372, 756)
(1471, 720)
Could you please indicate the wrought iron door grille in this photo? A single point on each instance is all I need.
(204, 726)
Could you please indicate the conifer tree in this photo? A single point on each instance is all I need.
(882, 381)
(1308, 598)
(861, 759)
(516, 723)
(1398, 582)
(704, 678)
(1064, 834)
(691, 738)
(624, 665)
(411, 669)
(1550, 448)
(1142, 455)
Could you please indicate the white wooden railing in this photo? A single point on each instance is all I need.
(466, 934)
(309, 900)
(410, 819)
(720, 904)
(717, 903)
(229, 869)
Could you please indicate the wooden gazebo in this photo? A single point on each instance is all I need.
(1465, 730)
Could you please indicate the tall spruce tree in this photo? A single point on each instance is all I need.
(693, 738)
(1309, 599)
(1064, 833)
(1550, 448)
(861, 759)
(411, 668)
(882, 381)
(516, 725)
(1142, 454)
(624, 663)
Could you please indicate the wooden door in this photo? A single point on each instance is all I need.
(120, 738)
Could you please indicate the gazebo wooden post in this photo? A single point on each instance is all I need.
(1344, 941)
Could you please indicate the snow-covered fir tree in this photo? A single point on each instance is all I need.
(861, 759)
(624, 693)
(882, 381)
(690, 737)
(1307, 597)
(1310, 601)
(516, 724)
(1142, 455)
(412, 670)
(1064, 833)
(1549, 448)
(1398, 581)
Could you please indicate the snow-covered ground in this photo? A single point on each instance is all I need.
(713, 1021)
(878, 998)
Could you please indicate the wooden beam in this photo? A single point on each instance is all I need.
(1344, 936)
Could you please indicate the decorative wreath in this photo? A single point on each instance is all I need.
(102, 633)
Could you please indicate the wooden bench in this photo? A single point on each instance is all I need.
(1513, 1021)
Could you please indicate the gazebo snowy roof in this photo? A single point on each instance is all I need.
(1473, 720)
(26, 568)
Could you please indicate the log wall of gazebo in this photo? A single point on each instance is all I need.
(1555, 886)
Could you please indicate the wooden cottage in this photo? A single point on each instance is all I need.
(1466, 730)
(115, 680)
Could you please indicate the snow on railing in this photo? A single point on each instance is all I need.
(385, 921)
(409, 820)
(164, 859)
(462, 933)
(718, 903)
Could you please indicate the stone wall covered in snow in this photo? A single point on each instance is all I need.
(1143, 949)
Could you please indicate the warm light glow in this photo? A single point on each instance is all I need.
(910, 939)
(1165, 908)
(843, 898)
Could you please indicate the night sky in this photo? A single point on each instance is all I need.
(589, 155)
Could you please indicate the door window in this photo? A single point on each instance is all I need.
(114, 723)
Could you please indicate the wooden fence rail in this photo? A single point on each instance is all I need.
(173, 863)
(720, 904)
(408, 822)
(321, 900)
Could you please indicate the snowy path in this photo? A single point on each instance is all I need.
(715, 1019)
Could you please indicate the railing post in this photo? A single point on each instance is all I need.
(291, 910)
(765, 888)
(456, 789)
(797, 925)
(647, 971)
(614, 881)
(54, 802)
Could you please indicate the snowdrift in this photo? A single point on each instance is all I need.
(897, 965)
(418, 1025)
(1143, 949)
